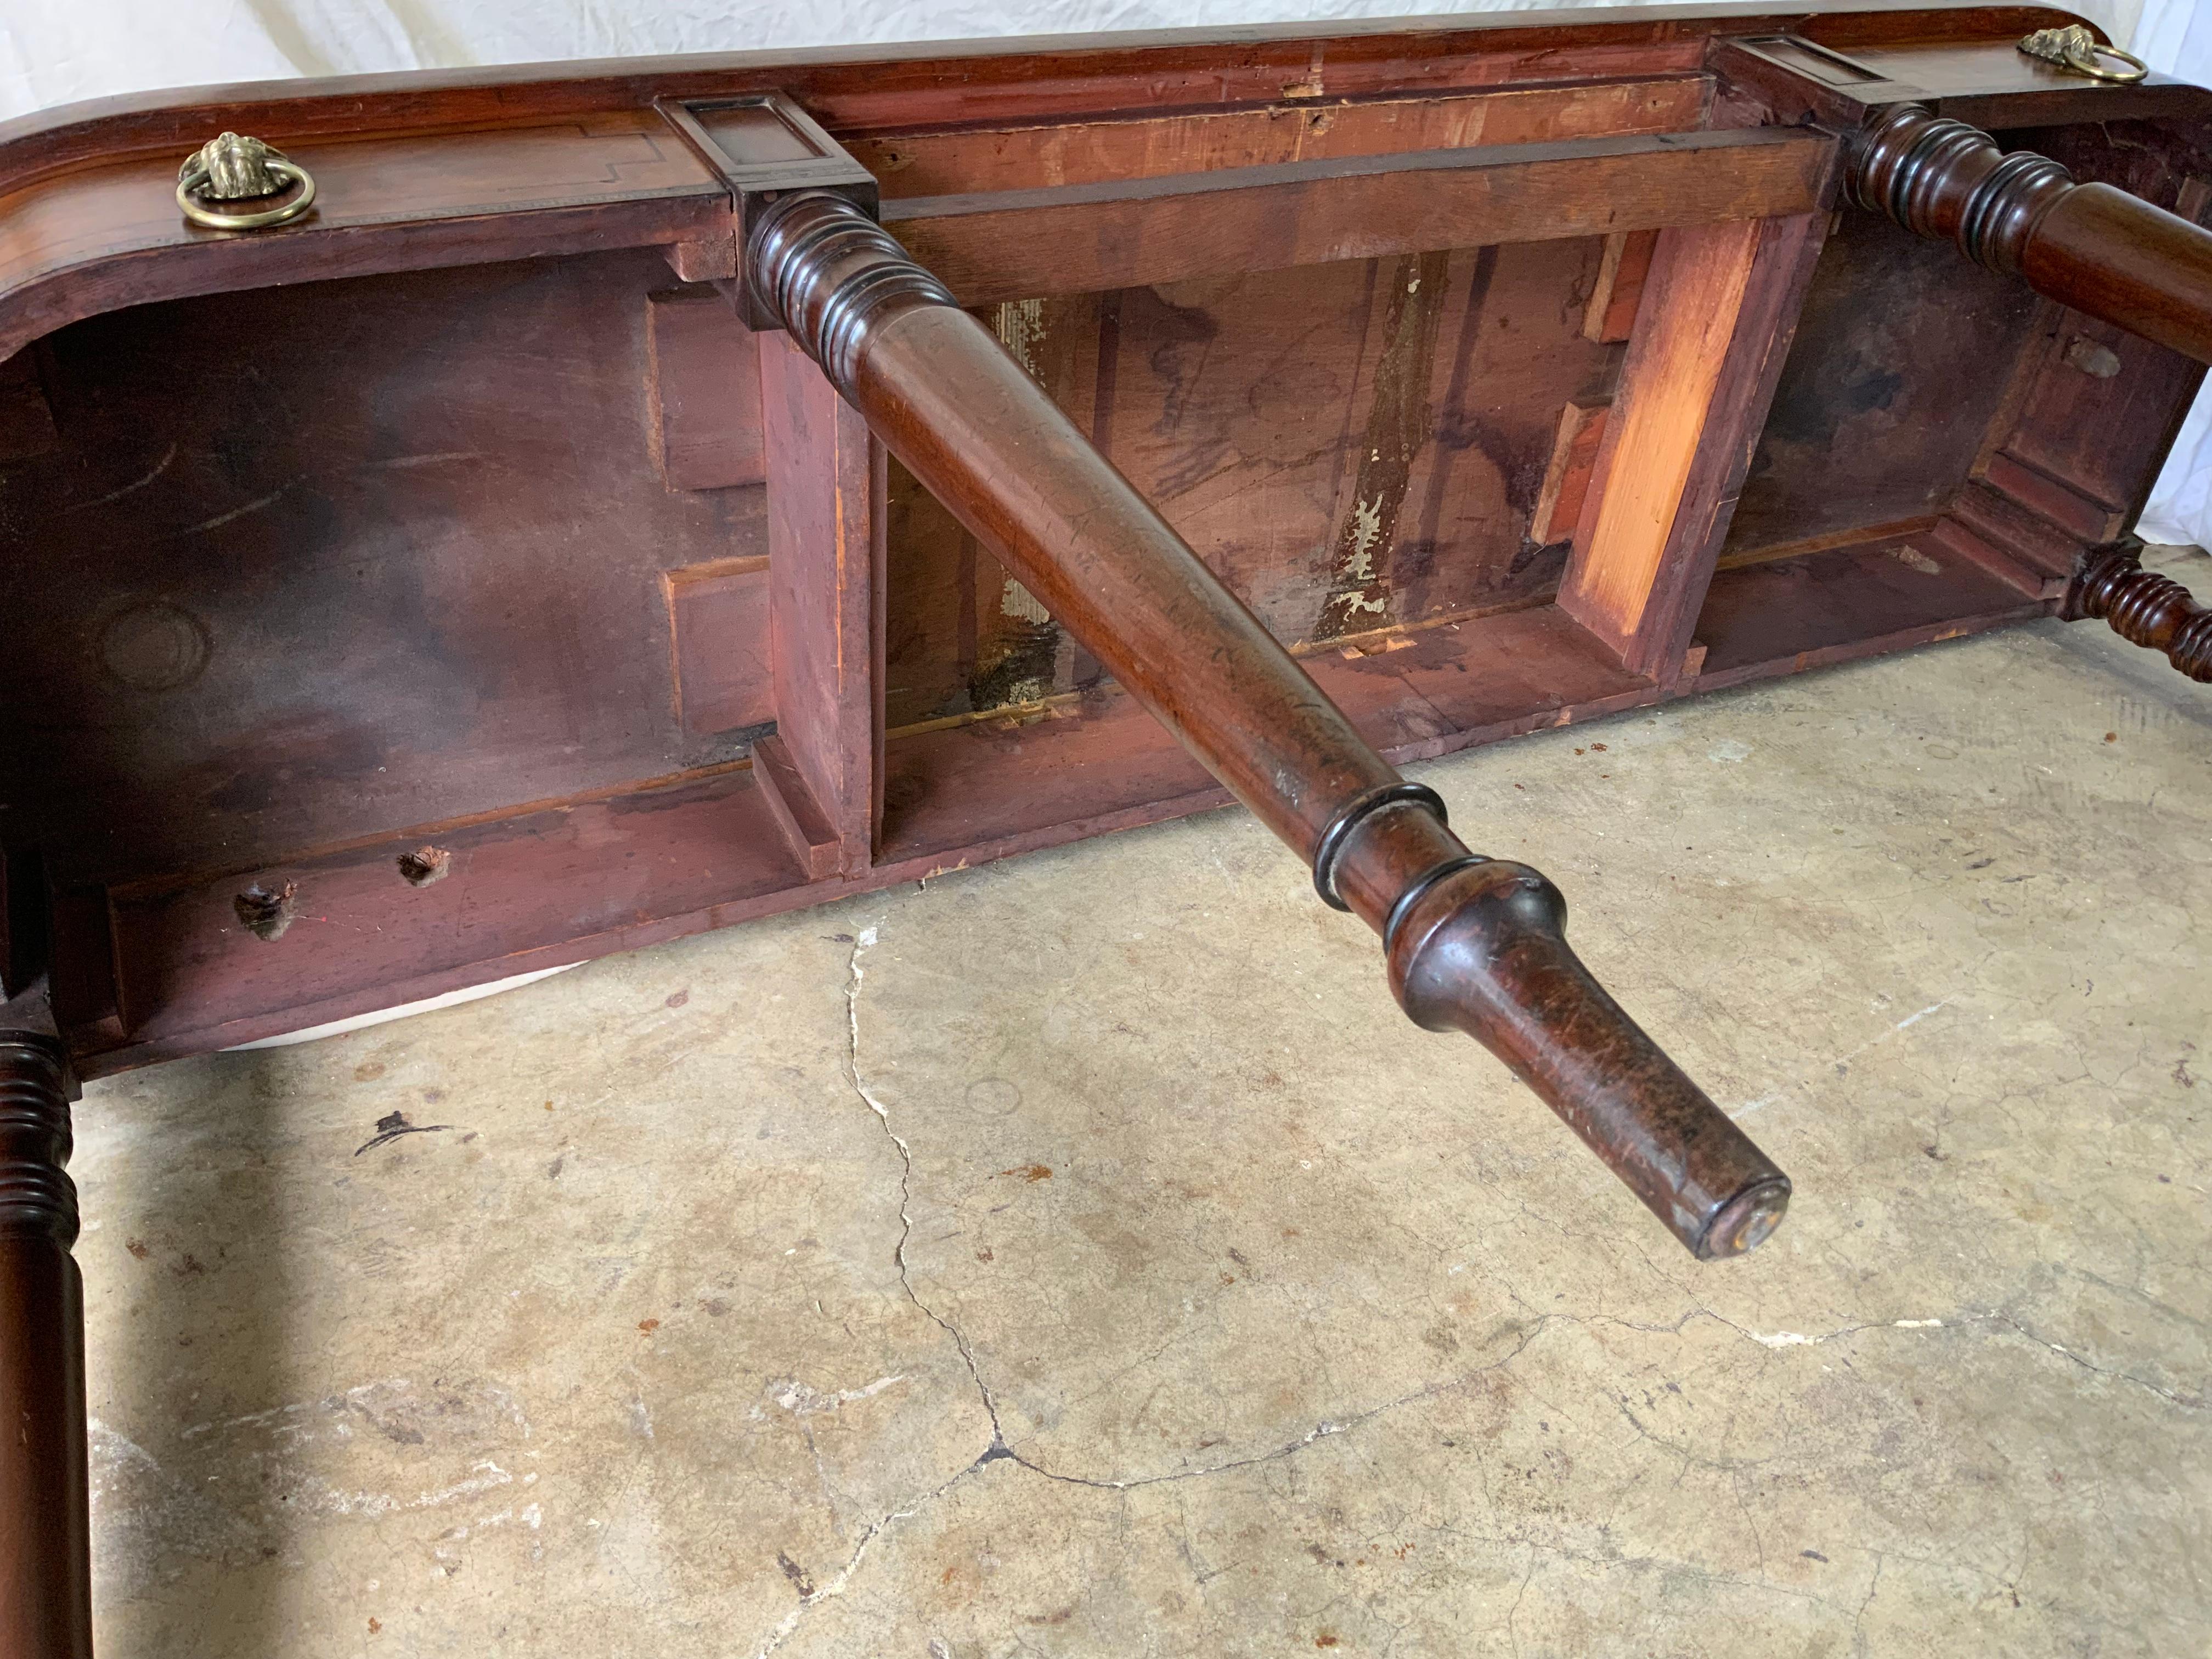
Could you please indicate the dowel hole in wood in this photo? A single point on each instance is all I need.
(424, 865)
(266, 912)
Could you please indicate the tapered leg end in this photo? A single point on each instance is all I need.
(1746, 1221)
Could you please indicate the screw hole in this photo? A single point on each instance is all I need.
(266, 911)
(424, 865)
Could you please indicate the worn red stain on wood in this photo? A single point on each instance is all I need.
(1262, 414)
(1400, 422)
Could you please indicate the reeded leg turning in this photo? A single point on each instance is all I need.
(2143, 607)
(46, 1553)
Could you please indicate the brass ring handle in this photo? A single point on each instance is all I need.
(2075, 48)
(232, 169)
(2085, 63)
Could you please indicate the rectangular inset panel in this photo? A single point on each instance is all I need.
(718, 630)
(434, 488)
(1901, 362)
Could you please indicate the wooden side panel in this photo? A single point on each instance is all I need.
(825, 491)
(1087, 238)
(529, 890)
(384, 202)
(1085, 152)
(335, 558)
(703, 384)
(1900, 364)
(1717, 312)
(1782, 616)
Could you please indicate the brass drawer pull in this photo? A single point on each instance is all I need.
(233, 168)
(2075, 48)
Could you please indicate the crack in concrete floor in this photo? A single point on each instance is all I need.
(999, 1449)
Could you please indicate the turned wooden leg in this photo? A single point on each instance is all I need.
(2092, 247)
(1473, 944)
(45, 1534)
(2143, 607)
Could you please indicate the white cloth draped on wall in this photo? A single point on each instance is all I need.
(2176, 36)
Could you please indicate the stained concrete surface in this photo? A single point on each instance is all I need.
(1082, 1257)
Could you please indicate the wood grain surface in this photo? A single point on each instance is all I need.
(432, 520)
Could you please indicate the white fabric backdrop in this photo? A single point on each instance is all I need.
(55, 52)
(2176, 36)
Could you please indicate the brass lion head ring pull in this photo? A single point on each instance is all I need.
(2075, 48)
(233, 168)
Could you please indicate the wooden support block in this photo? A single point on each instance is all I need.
(718, 642)
(1719, 309)
(806, 827)
(825, 491)
(702, 382)
(2005, 523)
(1955, 537)
(707, 260)
(1567, 478)
(2068, 508)
(1611, 313)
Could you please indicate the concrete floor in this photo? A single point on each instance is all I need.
(1236, 1317)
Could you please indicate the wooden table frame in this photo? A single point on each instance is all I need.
(1710, 154)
